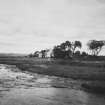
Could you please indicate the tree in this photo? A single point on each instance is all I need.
(84, 54)
(36, 54)
(30, 55)
(62, 46)
(77, 53)
(58, 52)
(43, 52)
(95, 46)
(76, 44)
(66, 49)
(68, 45)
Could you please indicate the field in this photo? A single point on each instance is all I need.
(91, 71)
(63, 68)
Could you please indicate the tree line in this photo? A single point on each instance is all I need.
(68, 49)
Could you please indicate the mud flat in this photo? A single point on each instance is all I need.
(26, 88)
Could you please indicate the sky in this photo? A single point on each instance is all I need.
(29, 25)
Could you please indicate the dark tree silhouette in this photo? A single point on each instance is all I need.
(36, 54)
(62, 46)
(76, 44)
(68, 45)
(66, 49)
(30, 55)
(95, 46)
(43, 52)
(77, 53)
(58, 52)
(84, 54)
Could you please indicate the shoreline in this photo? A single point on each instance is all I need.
(94, 76)
(61, 68)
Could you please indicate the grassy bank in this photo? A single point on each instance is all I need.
(62, 68)
(91, 71)
(94, 87)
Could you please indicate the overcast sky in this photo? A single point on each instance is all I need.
(28, 25)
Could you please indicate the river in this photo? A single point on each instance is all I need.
(24, 88)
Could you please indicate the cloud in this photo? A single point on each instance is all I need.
(101, 1)
(37, 24)
(4, 44)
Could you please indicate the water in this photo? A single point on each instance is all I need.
(24, 88)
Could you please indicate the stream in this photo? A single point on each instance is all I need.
(25, 88)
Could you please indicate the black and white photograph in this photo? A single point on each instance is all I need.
(52, 52)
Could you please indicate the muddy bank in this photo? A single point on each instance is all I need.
(94, 74)
(94, 87)
(25, 88)
(10, 73)
(77, 70)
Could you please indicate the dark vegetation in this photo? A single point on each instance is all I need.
(85, 70)
(66, 61)
(69, 50)
(62, 68)
(94, 87)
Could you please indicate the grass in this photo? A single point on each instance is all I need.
(94, 87)
(89, 71)
(67, 68)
